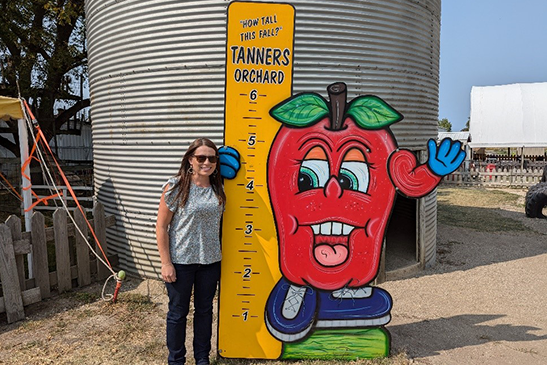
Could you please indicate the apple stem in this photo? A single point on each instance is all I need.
(338, 96)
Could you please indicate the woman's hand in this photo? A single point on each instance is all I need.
(168, 273)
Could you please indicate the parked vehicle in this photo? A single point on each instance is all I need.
(536, 198)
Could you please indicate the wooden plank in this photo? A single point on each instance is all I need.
(50, 232)
(82, 250)
(100, 231)
(68, 198)
(62, 255)
(14, 224)
(62, 187)
(8, 275)
(30, 296)
(39, 254)
(21, 247)
(74, 269)
(110, 220)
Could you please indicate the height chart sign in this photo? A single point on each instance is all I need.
(259, 63)
(307, 212)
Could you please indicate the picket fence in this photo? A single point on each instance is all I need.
(494, 177)
(84, 195)
(72, 260)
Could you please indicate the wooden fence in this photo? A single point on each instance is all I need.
(494, 177)
(73, 261)
(83, 193)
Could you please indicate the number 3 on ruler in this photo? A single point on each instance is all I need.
(248, 229)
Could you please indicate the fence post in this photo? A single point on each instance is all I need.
(62, 255)
(39, 254)
(100, 230)
(82, 251)
(14, 224)
(8, 274)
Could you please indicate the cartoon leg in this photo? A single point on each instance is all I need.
(362, 307)
(290, 311)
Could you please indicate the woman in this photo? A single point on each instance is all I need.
(187, 233)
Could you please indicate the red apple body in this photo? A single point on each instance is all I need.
(330, 260)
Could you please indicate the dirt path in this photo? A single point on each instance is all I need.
(484, 302)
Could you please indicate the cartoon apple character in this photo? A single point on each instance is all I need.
(333, 172)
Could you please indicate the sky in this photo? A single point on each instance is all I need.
(485, 43)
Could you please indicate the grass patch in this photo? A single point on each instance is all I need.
(84, 297)
(136, 302)
(477, 209)
(395, 359)
(341, 344)
(476, 197)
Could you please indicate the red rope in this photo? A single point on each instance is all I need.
(24, 167)
(11, 186)
(41, 136)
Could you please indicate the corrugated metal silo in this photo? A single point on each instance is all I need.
(157, 82)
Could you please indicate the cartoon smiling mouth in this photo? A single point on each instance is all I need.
(331, 242)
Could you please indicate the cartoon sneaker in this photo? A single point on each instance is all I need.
(362, 307)
(290, 311)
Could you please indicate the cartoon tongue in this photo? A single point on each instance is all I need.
(328, 255)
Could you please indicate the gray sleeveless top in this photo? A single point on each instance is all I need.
(194, 232)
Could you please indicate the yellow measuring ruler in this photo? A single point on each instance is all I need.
(259, 62)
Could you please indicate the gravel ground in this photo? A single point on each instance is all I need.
(484, 301)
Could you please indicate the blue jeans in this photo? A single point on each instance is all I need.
(204, 279)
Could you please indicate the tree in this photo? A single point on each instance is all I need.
(444, 123)
(43, 58)
(466, 129)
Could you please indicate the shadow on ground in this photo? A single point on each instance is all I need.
(465, 330)
(505, 236)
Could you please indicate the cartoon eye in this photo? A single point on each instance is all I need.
(354, 172)
(354, 175)
(313, 174)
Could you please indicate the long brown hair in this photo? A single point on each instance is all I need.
(185, 178)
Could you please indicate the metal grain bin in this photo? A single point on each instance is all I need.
(157, 82)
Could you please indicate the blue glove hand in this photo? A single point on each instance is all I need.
(229, 162)
(447, 158)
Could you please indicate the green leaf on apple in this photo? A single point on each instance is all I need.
(301, 111)
(371, 112)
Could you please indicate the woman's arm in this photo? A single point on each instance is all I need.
(162, 237)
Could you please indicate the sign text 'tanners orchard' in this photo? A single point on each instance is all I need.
(260, 56)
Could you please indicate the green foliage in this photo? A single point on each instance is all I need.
(444, 123)
(42, 57)
(301, 111)
(371, 112)
(466, 129)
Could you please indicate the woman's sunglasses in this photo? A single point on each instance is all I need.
(201, 158)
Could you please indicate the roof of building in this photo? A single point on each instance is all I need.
(509, 115)
(463, 137)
